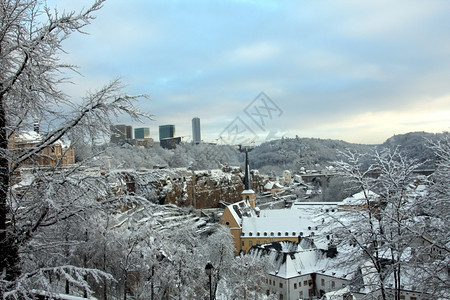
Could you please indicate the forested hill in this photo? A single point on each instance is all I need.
(416, 145)
(312, 153)
(296, 153)
(270, 157)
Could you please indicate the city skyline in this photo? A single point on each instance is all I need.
(355, 71)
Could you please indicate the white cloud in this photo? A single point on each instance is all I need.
(254, 53)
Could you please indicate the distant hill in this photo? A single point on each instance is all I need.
(415, 145)
(311, 153)
(270, 157)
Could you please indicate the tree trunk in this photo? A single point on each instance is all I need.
(9, 255)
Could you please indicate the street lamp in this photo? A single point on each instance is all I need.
(209, 268)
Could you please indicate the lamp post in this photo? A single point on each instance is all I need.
(209, 268)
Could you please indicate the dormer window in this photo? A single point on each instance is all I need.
(265, 233)
(250, 234)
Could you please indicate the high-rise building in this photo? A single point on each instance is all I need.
(142, 133)
(121, 133)
(196, 135)
(166, 132)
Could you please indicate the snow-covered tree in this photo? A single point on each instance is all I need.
(377, 229)
(247, 272)
(31, 37)
(431, 259)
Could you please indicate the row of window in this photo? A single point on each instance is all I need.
(305, 283)
(278, 234)
(280, 284)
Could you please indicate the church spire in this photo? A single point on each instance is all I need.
(248, 194)
(247, 172)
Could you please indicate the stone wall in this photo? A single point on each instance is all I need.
(182, 187)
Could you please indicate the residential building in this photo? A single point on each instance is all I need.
(56, 154)
(300, 270)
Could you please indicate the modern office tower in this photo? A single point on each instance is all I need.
(196, 135)
(166, 132)
(121, 133)
(142, 133)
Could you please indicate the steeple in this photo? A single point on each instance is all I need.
(247, 172)
(248, 194)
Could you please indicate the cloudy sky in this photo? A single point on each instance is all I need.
(359, 71)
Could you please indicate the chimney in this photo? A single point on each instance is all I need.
(36, 126)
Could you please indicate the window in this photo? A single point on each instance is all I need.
(250, 243)
(309, 227)
(250, 234)
(279, 233)
(299, 284)
(271, 234)
(242, 233)
(281, 296)
(265, 233)
(227, 223)
(258, 243)
(301, 294)
(322, 282)
(286, 233)
(258, 234)
(270, 281)
(243, 243)
(293, 234)
(295, 286)
(265, 242)
(281, 285)
(333, 284)
(301, 233)
(305, 283)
